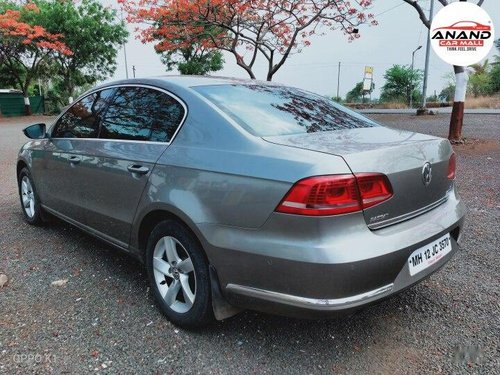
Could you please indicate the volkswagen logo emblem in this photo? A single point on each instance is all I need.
(427, 173)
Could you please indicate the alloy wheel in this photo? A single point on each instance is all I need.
(28, 197)
(174, 274)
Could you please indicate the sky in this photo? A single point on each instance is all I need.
(398, 33)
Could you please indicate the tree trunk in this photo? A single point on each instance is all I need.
(71, 90)
(457, 114)
(239, 61)
(270, 67)
(248, 70)
(27, 106)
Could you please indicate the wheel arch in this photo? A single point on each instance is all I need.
(19, 167)
(148, 220)
(221, 308)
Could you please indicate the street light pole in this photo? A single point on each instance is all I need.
(338, 82)
(427, 56)
(411, 78)
(354, 31)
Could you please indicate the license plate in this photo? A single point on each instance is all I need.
(429, 254)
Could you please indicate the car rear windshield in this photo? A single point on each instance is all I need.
(266, 110)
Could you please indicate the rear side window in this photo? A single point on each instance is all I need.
(138, 113)
(266, 110)
(81, 120)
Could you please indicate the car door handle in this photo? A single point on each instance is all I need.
(74, 159)
(138, 169)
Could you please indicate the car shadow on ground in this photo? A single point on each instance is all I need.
(128, 269)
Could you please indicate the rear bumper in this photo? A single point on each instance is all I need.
(314, 304)
(318, 268)
(317, 308)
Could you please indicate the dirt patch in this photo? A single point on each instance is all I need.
(478, 146)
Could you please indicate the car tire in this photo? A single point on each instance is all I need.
(30, 202)
(178, 274)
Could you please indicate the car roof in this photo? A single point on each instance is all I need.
(189, 81)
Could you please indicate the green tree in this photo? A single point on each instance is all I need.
(355, 94)
(432, 98)
(479, 79)
(447, 94)
(94, 34)
(494, 74)
(401, 83)
(191, 57)
(192, 60)
(494, 81)
(7, 79)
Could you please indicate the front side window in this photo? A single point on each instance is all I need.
(82, 119)
(266, 110)
(139, 113)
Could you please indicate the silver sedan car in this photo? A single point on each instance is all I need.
(242, 194)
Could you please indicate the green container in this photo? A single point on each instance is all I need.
(12, 104)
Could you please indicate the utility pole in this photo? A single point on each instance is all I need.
(338, 81)
(427, 56)
(126, 64)
(124, 49)
(411, 79)
(133, 70)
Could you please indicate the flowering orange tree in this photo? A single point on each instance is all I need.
(25, 46)
(273, 29)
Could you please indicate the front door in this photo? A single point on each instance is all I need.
(60, 180)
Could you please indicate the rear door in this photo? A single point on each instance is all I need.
(135, 130)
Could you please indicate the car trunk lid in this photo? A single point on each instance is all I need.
(400, 155)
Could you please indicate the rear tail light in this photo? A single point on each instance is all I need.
(373, 188)
(335, 194)
(452, 166)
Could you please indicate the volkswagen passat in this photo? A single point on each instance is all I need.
(242, 194)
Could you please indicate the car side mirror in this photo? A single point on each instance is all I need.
(36, 131)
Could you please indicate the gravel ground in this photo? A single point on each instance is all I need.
(104, 319)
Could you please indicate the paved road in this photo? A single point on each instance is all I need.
(475, 126)
(104, 318)
(444, 110)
